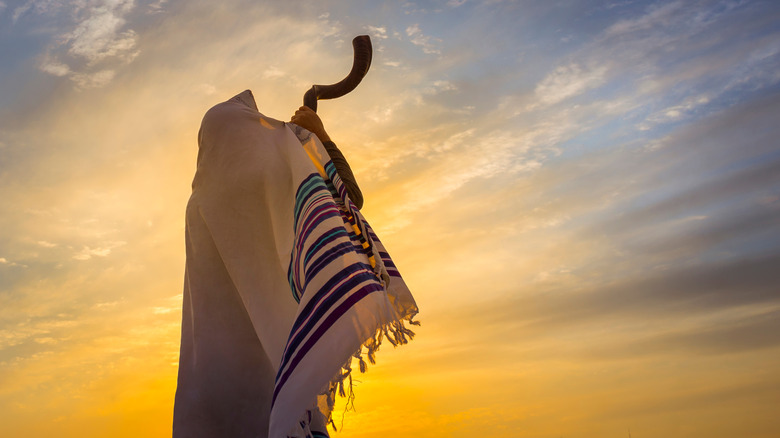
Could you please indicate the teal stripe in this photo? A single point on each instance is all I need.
(320, 241)
(330, 168)
(312, 185)
(292, 285)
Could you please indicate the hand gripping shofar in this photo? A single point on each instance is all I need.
(360, 65)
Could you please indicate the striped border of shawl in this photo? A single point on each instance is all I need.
(317, 200)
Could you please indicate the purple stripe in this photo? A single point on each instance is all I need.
(322, 213)
(325, 326)
(327, 212)
(333, 290)
(316, 200)
(310, 216)
(322, 261)
(340, 187)
(299, 202)
(300, 242)
(306, 322)
(322, 242)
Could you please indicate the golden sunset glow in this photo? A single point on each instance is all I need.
(584, 198)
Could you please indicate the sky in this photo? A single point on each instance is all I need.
(583, 196)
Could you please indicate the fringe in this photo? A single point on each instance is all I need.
(396, 333)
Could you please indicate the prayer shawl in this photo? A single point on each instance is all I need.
(285, 283)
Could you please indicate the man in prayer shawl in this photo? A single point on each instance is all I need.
(285, 282)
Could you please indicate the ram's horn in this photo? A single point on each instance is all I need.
(360, 65)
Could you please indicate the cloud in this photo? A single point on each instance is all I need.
(157, 7)
(104, 250)
(750, 332)
(423, 41)
(737, 184)
(676, 112)
(379, 32)
(55, 68)
(207, 89)
(656, 17)
(642, 305)
(6, 262)
(660, 242)
(569, 81)
(440, 86)
(98, 36)
(273, 72)
(93, 44)
(20, 10)
(674, 61)
(97, 79)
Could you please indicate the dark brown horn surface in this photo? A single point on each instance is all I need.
(360, 65)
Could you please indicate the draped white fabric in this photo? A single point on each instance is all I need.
(285, 282)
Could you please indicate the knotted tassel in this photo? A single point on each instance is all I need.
(389, 338)
(341, 388)
(379, 337)
(362, 365)
(408, 332)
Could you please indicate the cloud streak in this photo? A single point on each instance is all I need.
(91, 45)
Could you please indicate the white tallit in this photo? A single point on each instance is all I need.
(285, 282)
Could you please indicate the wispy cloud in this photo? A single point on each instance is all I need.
(426, 42)
(378, 32)
(569, 81)
(87, 253)
(89, 47)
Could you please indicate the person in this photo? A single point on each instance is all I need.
(285, 282)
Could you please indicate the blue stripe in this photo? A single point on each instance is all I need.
(310, 185)
(314, 199)
(317, 312)
(311, 223)
(324, 240)
(290, 279)
(359, 294)
(321, 308)
(333, 175)
(322, 261)
(330, 170)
